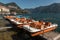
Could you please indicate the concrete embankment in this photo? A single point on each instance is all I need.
(51, 35)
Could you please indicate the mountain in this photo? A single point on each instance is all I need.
(2, 4)
(53, 8)
(13, 4)
(13, 7)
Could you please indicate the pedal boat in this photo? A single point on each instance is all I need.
(33, 30)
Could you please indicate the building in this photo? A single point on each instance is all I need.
(12, 7)
(4, 10)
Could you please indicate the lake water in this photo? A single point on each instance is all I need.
(51, 17)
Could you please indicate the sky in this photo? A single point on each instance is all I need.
(31, 3)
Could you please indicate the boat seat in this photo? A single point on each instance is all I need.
(37, 25)
(48, 23)
(30, 29)
(52, 25)
(16, 22)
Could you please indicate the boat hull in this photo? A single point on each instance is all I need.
(43, 31)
